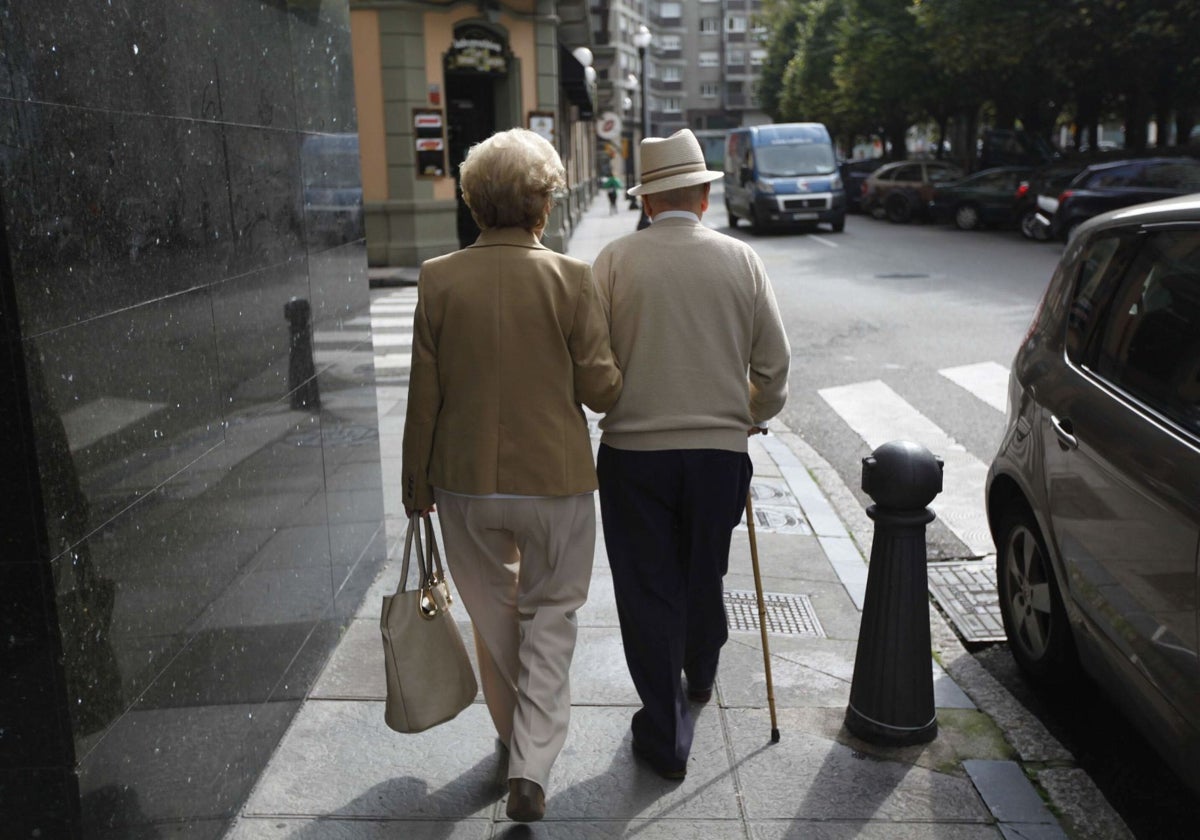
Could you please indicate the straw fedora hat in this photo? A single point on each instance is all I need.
(669, 163)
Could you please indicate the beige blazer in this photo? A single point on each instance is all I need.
(508, 340)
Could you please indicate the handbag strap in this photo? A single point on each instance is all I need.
(425, 570)
(437, 573)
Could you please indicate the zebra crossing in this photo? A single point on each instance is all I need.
(966, 590)
(391, 325)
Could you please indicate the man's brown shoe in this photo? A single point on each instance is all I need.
(526, 800)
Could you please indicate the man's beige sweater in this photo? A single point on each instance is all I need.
(696, 332)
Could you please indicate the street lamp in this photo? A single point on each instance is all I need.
(641, 40)
(631, 83)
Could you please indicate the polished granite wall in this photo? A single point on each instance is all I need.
(191, 476)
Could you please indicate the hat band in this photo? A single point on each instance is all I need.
(673, 169)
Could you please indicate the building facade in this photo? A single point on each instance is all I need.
(698, 72)
(191, 476)
(434, 77)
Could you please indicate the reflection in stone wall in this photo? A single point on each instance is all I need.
(201, 463)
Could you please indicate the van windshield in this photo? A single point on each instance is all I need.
(784, 160)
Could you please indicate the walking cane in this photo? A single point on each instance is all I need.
(762, 618)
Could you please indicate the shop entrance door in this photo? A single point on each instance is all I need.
(470, 119)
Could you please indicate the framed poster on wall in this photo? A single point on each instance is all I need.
(429, 132)
(542, 122)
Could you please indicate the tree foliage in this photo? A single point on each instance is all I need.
(872, 68)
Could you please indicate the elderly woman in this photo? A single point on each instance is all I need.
(508, 340)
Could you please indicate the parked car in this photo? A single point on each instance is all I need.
(898, 191)
(1121, 183)
(989, 198)
(1092, 496)
(1037, 198)
(854, 173)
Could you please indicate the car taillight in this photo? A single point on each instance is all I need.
(1023, 189)
(864, 187)
(1064, 195)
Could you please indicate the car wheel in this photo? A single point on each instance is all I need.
(1031, 607)
(898, 208)
(1029, 225)
(732, 218)
(966, 217)
(877, 212)
(839, 223)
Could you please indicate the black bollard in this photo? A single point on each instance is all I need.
(891, 695)
(302, 371)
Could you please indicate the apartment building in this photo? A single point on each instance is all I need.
(697, 72)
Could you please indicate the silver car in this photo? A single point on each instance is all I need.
(1094, 495)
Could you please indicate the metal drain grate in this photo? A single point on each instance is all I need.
(967, 592)
(789, 615)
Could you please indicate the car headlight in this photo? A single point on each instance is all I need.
(764, 187)
(835, 183)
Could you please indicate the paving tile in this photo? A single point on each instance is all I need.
(274, 828)
(599, 676)
(810, 773)
(864, 830)
(597, 776)
(666, 828)
(804, 672)
(340, 760)
(1008, 793)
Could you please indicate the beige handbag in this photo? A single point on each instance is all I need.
(429, 677)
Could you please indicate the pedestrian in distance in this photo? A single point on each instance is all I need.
(509, 339)
(611, 185)
(698, 336)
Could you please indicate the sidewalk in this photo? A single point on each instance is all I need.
(339, 772)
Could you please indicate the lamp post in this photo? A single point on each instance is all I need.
(641, 40)
(632, 83)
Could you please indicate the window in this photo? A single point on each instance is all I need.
(710, 90)
(669, 73)
(670, 104)
(735, 23)
(710, 24)
(1135, 319)
(757, 57)
(670, 10)
(735, 57)
(669, 42)
(709, 58)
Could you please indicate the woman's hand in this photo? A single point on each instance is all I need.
(423, 512)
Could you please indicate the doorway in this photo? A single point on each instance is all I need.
(470, 119)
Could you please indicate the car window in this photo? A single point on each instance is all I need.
(1117, 176)
(939, 174)
(909, 172)
(1146, 338)
(1174, 176)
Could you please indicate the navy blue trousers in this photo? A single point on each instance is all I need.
(668, 518)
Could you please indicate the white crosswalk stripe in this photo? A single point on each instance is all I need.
(879, 415)
(391, 328)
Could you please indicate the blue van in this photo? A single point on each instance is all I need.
(785, 174)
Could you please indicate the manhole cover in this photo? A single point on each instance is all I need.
(789, 615)
(967, 592)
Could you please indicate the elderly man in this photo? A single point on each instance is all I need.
(697, 334)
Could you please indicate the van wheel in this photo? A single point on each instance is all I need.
(1035, 621)
(898, 208)
(839, 223)
(732, 218)
(756, 226)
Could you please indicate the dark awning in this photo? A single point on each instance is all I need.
(574, 82)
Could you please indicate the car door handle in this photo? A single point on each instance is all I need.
(1063, 431)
